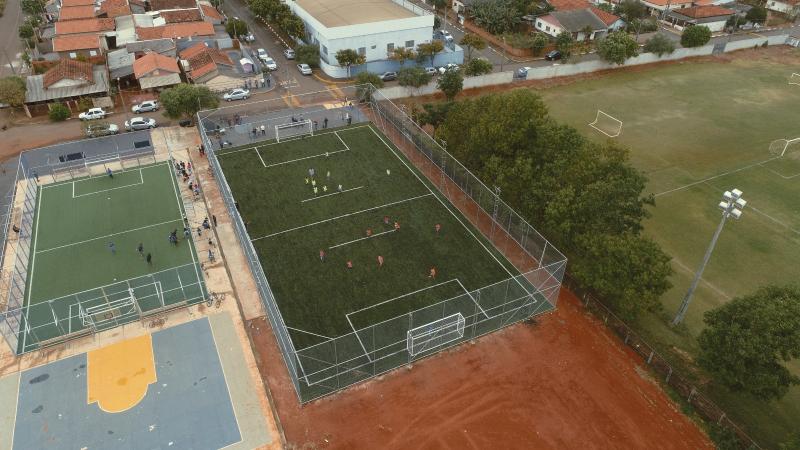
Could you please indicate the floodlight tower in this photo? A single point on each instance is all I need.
(731, 205)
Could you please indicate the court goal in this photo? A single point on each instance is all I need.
(607, 124)
(795, 79)
(779, 147)
(294, 129)
(435, 334)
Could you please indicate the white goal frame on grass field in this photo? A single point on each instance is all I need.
(435, 334)
(98, 315)
(778, 147)
(794, 79)
(614, 130)
(306, 126)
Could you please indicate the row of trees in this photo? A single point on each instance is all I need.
(280, 15)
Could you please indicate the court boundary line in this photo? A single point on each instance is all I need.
(88, 177)
(108, 235)
(326, 154)
(16, 403)
(259, 157)
(267, 144)
(339, 217)
(29, 288)
(227, 385)
(363, 238)
(140, 183)
(332, 193)
(695, 183)
(309, 332)
(469, 294)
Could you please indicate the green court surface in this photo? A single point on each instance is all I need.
(697, 129)
(289, 224)
(72, 261)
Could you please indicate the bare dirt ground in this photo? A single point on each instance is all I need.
(564, 382)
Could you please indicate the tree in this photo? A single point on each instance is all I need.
(617, 47)
(450, 83)
(564, 44)
(12, 91)
(496, 16)
(413, 77)
(695, 36)
(293, 26)
(629, 271)
(748, 340)
(25, 31)
(429, 50)
(186, 100)
(477, 66)
(307, 54)
(59, 112)
(236, 27)
(402, 54)
(659, 44)
(538, 43)
(367, 82)
(348, 57)
(33, 7)
(630, 10)
(434, 114)
(265, 9)
(757, 14)
(472, 42)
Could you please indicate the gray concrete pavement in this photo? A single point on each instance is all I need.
(10, 45)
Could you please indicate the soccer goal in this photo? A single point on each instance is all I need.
(435, 334)
(795, 79)
(607, 124)
(112, 313)
(779, 147)
(294, 129)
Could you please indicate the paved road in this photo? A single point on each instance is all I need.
(10, 45)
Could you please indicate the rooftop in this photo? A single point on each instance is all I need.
(578, 19)
(72, 42)
(115, 8)
(181, 15)
(702, 12)
(158, 5)
(339, 13)
(68, 69)
(84, 26)
(210, 12)
(67, 3)
(176, 30)
(152, 62)
(76, 12)
(36, 91)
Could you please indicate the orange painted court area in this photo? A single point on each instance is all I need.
(120, 374)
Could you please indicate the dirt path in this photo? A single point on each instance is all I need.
(565, 382)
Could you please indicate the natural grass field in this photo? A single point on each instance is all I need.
(289, 224)
(75, 222)
(697, 129)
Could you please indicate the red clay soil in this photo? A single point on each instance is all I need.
(565, 382)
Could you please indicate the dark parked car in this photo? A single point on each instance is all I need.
(552, 56)
(389, 76)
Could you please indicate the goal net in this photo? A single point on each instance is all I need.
(795, 79)
(607, 124)
(111, 313)
(781, 147)
(435, 334)
(293, 129)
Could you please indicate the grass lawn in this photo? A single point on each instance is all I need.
(697, 129)
(71, 258)
(289, 224)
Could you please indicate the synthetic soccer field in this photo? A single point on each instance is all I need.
(84, 250)
(370, 204)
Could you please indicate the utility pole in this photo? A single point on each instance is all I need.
(10, 62)
(732, 204)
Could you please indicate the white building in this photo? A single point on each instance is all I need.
(373, 28)
(790, 7)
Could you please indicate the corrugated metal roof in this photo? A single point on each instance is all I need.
(37, 93)
(162, 80)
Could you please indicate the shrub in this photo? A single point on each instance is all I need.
(84, 104)
(477, 66)
(307, 54)
(659, 44)
(695, 36)
(59, 112)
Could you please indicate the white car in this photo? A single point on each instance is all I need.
(445, 35)
(269, 63)
(93, 113)
(140, 123)
(249, 37)
(262, 54)
(431, 70)
(288, 53)
(305, 69)
(237, 94)
(145, 106)
(447, 68)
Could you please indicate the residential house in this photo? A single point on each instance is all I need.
(217, 69)
(76, 12)
(210, 14)
(114, 8)
(70, 3)
(120, 65)
(712, 16)
(612, 21)
(577, 22)
(790, 7)
(155, 71)
(80, 26)
(66, 82)
(181, 15)
(74, 45)
(658, 7)
(176, 31)
(161, 5)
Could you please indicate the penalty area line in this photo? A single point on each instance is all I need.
(363, 238)
(326, 154)
(332, 193)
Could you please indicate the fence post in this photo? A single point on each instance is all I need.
(669, 374)
(691, 393)
(650, 358)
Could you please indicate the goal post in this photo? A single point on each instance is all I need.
(294, 129)
(97, 317)
(779, 147)
(435, 334)
(607, 124)
(795, 79)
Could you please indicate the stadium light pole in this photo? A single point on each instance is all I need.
(731, 205)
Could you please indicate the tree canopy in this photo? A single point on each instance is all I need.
(429, 50)
(583, 195)
(307, 54)
(496, 16)
(186, 100)
(402, 54)
(236, 27)
(630, 10)
(477, 66)
(472, 41)
(617, 47)
(695, 36)
(33, 7)
(757, 14)
(450, 83)
(12, 91)
(565, 43)
(659, 44)
(364, 80)
(748, 340)
(348, 57)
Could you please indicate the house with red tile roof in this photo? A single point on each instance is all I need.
(712, 16)
(219, 70)
(80, 26)
(210, 14)
(176, 30)
(154, 71)
(66, 82)
(114, 8)
(161, 5)
(69, 3)
(181, 15)
(658, 6)
(577, 21)
(76, 12)
(73, 45)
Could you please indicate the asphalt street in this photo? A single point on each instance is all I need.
(10, 45)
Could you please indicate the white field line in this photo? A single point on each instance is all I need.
(109, 235)
(361, 239)
(785, 177)
(341, 140)
(259, 157)
(91, 177)
(448, 209)
(288, 140)
(326, 154)
(141, 182)
(758, 211)
(473, 298)
(308, 332)
(33, 263)
(695, 183)
(332, 193)
(183, 215)
(366, 353)
(340, 217)
(227, 385)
